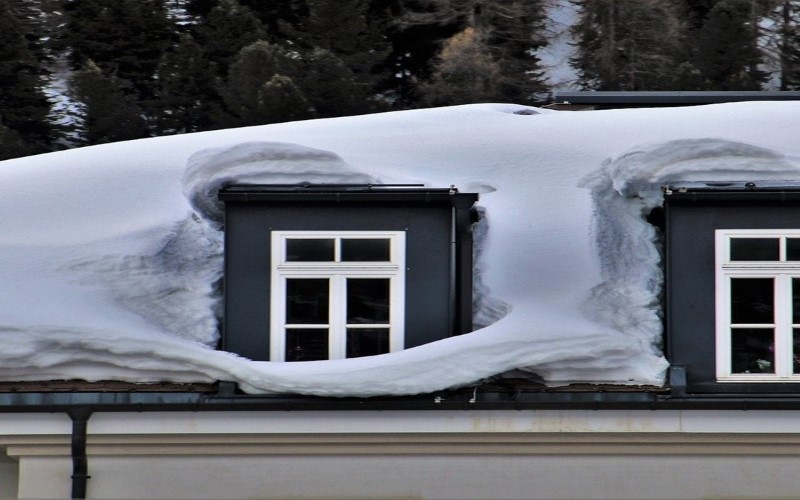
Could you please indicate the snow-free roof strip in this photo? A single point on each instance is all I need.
(670, 97)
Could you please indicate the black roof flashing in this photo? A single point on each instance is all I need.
(782, 190)
(409, 193)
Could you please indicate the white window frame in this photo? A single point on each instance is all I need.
(782, 272)
(337, 272)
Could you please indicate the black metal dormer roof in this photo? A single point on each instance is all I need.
(409, 193)
(756, 190)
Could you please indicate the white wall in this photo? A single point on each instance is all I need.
(8, 479)
(520, 454)
(425, 476)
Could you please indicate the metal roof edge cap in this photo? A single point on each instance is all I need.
(342, 192)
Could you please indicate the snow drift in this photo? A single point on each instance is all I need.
(111, 255)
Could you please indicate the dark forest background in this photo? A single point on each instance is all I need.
(81, 72)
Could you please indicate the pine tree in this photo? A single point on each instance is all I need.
(13, 146)
(344, 28)
(109, 110)
(727, 52)
(186, 99)
(258, 89)
(465, 72)
(629, 45)
(790, 45)
(281, 100)
(347, 31)
(125, 38)
(780, 43)
(23, 105)
(331, 87)
(508, 30)
(227, 29)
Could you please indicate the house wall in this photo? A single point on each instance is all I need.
(691, 313)
(422, 454)
(429, 314)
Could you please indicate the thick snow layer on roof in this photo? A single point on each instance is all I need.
(110, 255)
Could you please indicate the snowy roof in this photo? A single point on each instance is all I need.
(109, 254)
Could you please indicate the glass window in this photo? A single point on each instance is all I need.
(367, 341)
(366, 250)
(758, 305)
(755, 249)
(307, 301)
(792, 248)
(752, 300)
(310, 250)
(367, 301)
(336, 294)
(752, 350)
(306, 344)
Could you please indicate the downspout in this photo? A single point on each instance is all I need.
(80, 465)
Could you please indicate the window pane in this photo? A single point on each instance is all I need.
(309, 250)
(796, 351)
(792, 248)
(367, 341)
(306, 344)
(752, 300)
(365, 250)
(755, 249)
(307, 301)
(367, 301)
(795, 300)
(752, 350)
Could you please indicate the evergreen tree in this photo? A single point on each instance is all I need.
(780, 42)
(23, 105)
(727, 52)
(629, 45)
(280, 100)
(258, 90)
(790, 45)
(515, 34)
(465, 72)
(13, 146)
(331, 87)
(109, 110)
(347, 31)
(508, 30)
(227, 29)
(186, 99)
(125, 38)
(344, 28)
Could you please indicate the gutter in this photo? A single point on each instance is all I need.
(81, 405)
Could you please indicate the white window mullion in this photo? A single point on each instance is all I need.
(723, 334)
(397, 314)
(337, 346)
(782, 310)
(277, 341)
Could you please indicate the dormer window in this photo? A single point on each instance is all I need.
(316, 272)
(732, 286)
